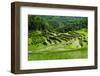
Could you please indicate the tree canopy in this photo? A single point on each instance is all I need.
(56, 23)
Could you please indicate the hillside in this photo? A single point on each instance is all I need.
(56, 34)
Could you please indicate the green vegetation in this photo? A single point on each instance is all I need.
(47, 55)
(57, 37)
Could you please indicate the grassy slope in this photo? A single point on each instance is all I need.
(56, 51)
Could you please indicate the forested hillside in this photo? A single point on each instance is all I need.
(54, 34)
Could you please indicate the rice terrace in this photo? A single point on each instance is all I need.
(57, 37)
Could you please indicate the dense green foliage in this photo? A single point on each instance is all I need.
(60, 33)
(56, 23)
